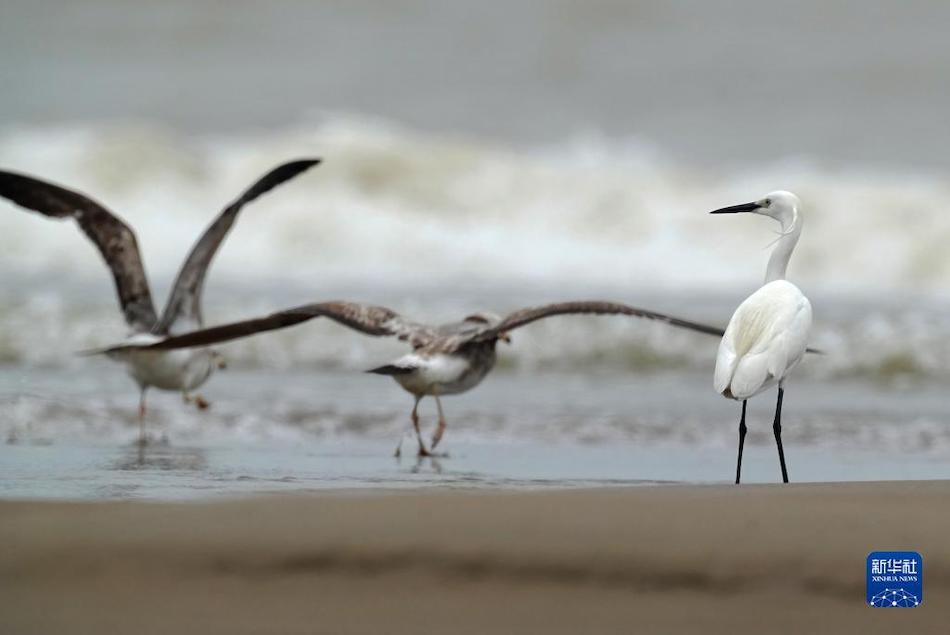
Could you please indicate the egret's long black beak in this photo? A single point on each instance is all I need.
(736, 209)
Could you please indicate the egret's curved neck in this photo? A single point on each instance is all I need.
(791, 230)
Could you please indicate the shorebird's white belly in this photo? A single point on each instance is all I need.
(179, 370)
(441, 374)
(182, 370)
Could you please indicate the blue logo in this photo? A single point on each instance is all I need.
(895, 579)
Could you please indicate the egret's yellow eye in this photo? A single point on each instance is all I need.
(767, 202)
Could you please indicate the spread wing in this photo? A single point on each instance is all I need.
(371, 320)
(532, 314)
(114, 239)
(185, 298)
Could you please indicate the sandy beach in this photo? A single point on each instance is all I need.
(716, 558)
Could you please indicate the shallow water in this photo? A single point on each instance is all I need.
(82, 472)
(316, 430)
(488, 156)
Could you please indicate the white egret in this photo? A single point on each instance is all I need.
(768, 334)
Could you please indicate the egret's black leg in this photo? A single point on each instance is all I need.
(742, 430)
(777, 429)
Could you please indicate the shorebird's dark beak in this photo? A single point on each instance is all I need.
(737, 209)
(504, 337)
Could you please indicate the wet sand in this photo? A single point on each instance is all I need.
(716, 559)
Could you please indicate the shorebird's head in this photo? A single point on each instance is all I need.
(488, 319)
(781, 205)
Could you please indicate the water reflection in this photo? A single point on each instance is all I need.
(161, 457)
(424, 462)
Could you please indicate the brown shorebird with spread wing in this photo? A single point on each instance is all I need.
(182, 371)
(445, 360)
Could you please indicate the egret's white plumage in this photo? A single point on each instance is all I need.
(768, 334)
(765, 340)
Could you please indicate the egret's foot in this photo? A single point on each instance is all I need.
(201, 403)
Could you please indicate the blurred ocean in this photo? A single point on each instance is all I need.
(488, 156)
(437, 227)
(719, 83)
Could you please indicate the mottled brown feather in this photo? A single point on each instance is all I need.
(114, 239)
(185, 298)
(379, 321)
(528, 315)
(371, 320)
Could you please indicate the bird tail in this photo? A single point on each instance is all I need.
(391, 369)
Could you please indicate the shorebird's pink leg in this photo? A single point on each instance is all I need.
(415, 424)
(440, 428)
(142, 439)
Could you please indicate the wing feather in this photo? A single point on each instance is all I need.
(531, 314)
(726, 361)
(113, 238)
(185, 298)
(766, 337)
(372, 320)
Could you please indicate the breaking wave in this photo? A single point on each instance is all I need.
(436, 225)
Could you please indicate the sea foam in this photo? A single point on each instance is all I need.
(439, 225)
